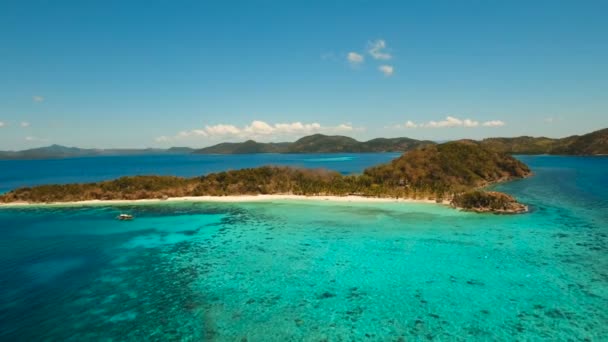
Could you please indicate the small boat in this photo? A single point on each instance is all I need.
(124, 217)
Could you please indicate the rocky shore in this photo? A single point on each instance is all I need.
(488, 201)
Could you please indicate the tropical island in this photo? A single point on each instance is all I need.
(453, 172)
(318, 143)
(594, 143)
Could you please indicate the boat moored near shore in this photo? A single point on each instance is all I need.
(124, 217)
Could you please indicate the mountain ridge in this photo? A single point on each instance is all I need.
(317, 143)
(593, 143)
(59, 151)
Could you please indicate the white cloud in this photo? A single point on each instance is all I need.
(345, 128)
(2, 124)
(494, 123)
(376, 50)
(31, 138)
(451, 121)
(355, 58)
(25, 124)
(220, 129)
(262, 128)
(470, 123)
(37, 98)
(410, 124)
(387, 70)
(258, 129)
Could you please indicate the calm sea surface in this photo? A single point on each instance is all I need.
(291, 271)
(18, 173)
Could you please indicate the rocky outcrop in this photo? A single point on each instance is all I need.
(488, 201)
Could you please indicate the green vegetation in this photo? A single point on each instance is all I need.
(129, 188)
(317, 143)
(393, 144)
(447, 168)
(483, 201)
(520, 145)
(594, 143)
(246, 147)
(58, 151)
(432, 172)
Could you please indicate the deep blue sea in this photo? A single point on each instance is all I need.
(18, 173)
(305, 270)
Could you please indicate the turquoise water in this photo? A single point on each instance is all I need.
(290, 270)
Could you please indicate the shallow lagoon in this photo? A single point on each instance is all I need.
(315, 270)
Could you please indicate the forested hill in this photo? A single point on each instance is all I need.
(443, 172)
(449, 167)
(594, 143)
(247, 147)
(318, 143)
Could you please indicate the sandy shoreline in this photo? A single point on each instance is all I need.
(233, 199)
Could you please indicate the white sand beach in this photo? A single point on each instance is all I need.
(243, 198)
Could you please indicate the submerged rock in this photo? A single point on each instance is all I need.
(326, 295)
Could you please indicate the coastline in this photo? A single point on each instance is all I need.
(227, 199)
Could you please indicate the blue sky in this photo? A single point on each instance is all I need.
(180, 73)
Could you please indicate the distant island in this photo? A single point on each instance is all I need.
(318, 143)
(58, 151)
(595, 143)
(453, 172)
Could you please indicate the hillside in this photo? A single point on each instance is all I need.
(594, 143)
(317, 143)
(446, 168)
(58, 151)
(520, 145)
(432, 172)
(393, 144)
(53, 151)
(246, 147)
